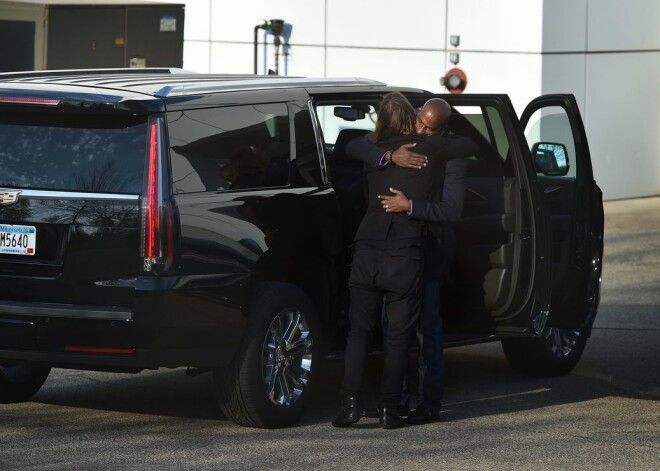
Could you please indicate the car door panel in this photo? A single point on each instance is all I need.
(484, 245)
(574, 202)
(560, 196)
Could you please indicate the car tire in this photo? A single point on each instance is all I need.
(268, 385)
(19, 383)
(554, 353)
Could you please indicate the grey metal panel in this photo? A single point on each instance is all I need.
(16, 45)
(145, 38)
(85, 37)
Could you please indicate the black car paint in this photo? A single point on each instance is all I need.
(195, 316)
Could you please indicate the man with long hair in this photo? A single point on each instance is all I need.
(445, 206)
(387, 264)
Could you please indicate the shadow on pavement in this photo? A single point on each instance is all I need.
(479, 382)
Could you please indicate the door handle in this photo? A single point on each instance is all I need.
(551, 190)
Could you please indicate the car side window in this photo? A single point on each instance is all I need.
(307, 170)
(230, 148)
(484, 125)
(332, 123)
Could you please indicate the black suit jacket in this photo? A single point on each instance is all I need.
(378, 225)
(446, 200)
(446, 203)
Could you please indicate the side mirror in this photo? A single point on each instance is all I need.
(349, 113)
(550, 158)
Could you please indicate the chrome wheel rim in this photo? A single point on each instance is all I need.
(287, 358)
(562, 341)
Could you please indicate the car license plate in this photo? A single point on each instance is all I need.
(18, 240)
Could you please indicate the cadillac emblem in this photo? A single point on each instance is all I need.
(9, 197)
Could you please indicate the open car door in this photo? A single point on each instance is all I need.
(558, 142)
(493, 274)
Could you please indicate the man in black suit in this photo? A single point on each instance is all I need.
(387, 263)
(446, 205)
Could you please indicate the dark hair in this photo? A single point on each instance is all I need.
(396, 117)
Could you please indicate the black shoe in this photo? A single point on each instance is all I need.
(375, 412)
(403, 410)
(423, 415)
(371, 412)
(390, 419)
(349, 412)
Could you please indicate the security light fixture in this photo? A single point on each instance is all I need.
(455, 40)
(455, 80)
(276, 27)
(454, 57)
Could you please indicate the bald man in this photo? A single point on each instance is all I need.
(446, 205)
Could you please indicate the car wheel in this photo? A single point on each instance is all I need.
(20, 382)
(268, 384)
(554, 353)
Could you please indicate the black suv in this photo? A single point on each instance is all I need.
(158, 218)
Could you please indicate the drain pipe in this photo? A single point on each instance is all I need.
(265, 26)
(286, 35)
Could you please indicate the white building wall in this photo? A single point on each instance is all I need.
(606, 52)
(630, 25)
(500, 45)
(386, 24)
(623, 122)
(623, 95)
(565, 25)
(512, 26)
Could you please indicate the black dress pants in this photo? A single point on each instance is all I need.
(393, 276)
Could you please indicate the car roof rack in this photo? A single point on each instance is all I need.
(169, 82)
(184, 87)
(74, 72)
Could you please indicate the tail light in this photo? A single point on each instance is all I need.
(21, 100)
(157, 210)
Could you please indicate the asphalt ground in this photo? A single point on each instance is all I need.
(604, 415)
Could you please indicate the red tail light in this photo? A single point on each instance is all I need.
(20, 100)
(152, 223)
(158, 217)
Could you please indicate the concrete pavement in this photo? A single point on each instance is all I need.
(605, 415)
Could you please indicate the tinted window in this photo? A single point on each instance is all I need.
(230, 148)
(484, 126)
(307, 169)
(499, 133)
(66, 152)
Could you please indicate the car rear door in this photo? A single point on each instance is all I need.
(574, 202)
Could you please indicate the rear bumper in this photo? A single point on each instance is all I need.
(64, 311)
(171, 323)
(138, 360)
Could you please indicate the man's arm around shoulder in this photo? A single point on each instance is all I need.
(365, 151)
